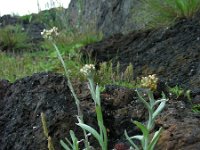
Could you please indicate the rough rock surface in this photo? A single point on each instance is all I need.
(108, 16)
(22, 105)
(180, 127)
(172, 53)
(48, 92)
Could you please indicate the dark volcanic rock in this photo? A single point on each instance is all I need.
(25, 99)
(20, 115)
(181, 129)
(172, 53)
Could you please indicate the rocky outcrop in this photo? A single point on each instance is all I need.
(108, 16)
(24, 100)
(22, 104)
(172, 53)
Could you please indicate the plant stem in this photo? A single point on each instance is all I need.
(80, 114)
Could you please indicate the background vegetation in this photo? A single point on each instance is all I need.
(156, 13)
(13, 38)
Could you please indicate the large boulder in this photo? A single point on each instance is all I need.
(108, 16)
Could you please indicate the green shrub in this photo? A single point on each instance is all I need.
(162, 12)
(13, 38)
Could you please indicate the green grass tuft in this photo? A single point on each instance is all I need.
(13, 38)
(164, 12)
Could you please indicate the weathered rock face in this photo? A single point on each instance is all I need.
(108, 16)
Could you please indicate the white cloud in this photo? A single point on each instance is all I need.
(22, 7)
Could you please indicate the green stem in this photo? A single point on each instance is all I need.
(80, 114)
(92, 89)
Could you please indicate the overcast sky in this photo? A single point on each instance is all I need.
(22, 7)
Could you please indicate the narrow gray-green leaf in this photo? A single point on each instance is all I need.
(143, 101)
(64, 145)
(159, 101)
(159, 109)
(90, 130)
(138, 137)
(154, 139)
(74, 139)
(69, 142)
(142, 128)
(131, 141)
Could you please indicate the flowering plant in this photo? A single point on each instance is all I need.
(146, 142)
(150, 82)
(88, 71)
(50, 34)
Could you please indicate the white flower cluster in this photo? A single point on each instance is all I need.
(88, 70)
(49, 34)
(150, 82)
